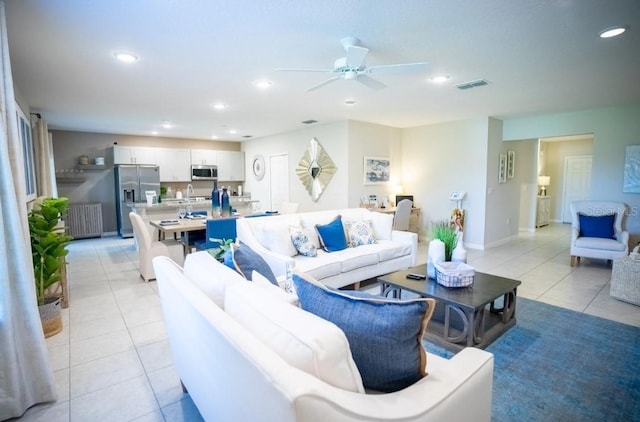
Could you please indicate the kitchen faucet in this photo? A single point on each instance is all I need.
(189, 191)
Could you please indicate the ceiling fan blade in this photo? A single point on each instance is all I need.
(404, 67)
(323, 83)
(370, 82)
(355, 56)
(304, 70)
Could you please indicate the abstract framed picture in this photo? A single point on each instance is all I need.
(376, 170)
(631, 182)
(511, 164)
(502, 168)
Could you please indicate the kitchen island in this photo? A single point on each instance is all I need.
(168, 208)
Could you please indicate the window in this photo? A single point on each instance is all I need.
(24, 130)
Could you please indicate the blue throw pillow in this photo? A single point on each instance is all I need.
(384, 334)
(597, 226)
(245, 261)
(332, 236)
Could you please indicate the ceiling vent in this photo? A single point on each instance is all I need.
(471, 84)
(247, 136)
(309, 122)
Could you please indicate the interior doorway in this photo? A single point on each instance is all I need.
(577, 183)
(278, 180)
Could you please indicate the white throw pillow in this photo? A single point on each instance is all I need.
(359, 232)
(274, 291)
(382, 225)
(211, 276)
(273, 234)
(305, 341)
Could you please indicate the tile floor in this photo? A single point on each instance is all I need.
(112, 360)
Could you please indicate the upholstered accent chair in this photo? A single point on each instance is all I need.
(149, 249)
(596, 231)
(403, 212)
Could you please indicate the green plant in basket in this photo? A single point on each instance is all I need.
(48, 242)
(444, 231)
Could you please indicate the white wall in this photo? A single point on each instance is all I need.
(333, 138)
(442, 158)
(371, 140)
(614, 128)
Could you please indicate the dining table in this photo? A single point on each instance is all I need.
(180, 225)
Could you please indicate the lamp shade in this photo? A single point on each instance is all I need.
(544, 180)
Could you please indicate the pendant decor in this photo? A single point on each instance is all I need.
(315, 169)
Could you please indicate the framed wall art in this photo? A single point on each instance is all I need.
(631, 181)
(376, 170)
(511, 164)
(502, 168)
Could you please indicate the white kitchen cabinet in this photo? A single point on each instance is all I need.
(543, 211)
(204, 156)
(174, 164)
(135, 155)
(231, 166)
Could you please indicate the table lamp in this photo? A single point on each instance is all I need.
(544, 181)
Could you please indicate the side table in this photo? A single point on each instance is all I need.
(625, 280)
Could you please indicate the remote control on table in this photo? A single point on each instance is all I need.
(415, 276)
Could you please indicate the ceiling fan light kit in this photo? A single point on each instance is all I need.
(352, 67)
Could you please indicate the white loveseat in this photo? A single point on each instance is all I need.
(270, 237)
(232, 375)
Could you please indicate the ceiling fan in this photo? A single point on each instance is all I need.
(352, 67)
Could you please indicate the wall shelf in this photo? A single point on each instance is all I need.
(91, 167)
(71, 179)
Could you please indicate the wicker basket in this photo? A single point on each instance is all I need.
(454, 274)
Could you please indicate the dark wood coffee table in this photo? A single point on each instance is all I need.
(468, 316)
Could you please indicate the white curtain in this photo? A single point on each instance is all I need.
(25, 373)
(45, 168)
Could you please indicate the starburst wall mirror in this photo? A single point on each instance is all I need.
(315, 169)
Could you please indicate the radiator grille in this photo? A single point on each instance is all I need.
(85, 220)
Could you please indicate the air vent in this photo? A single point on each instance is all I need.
(309, 122)
(247, 136)
(471, 84)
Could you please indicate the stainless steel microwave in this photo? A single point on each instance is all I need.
(204, 172)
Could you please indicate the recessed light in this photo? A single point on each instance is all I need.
(263, 84)
(154, 133)
(440, 79)
(219, 106)
(233, 131)
(166, 124)
(214, 136)
(614, 31)
(126, 57)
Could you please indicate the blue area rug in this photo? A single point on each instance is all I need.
(560, 365)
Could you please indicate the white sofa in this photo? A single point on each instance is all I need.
(232, 375)
(269, 236)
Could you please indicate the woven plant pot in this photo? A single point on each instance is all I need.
(50, 316)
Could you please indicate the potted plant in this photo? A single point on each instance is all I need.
(218, 253)
(48, 249)
(444, 231)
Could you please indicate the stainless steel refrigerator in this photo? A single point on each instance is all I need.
(132, 181)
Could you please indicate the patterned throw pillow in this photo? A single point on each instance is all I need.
(301, 241)
(359, 233)
(384, 334)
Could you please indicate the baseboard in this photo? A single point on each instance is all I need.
(500, 242)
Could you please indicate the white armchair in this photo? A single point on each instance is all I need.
(148, 249)
(598, 247)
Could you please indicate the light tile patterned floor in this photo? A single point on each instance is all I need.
(112, 360)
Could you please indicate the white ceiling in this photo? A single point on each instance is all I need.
(538, 56)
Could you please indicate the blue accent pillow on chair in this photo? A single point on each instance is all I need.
(245, 261)
(332, 237)
(597, 226)
(385, 335)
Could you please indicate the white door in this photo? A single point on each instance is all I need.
(279, 180)
(577, 183)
